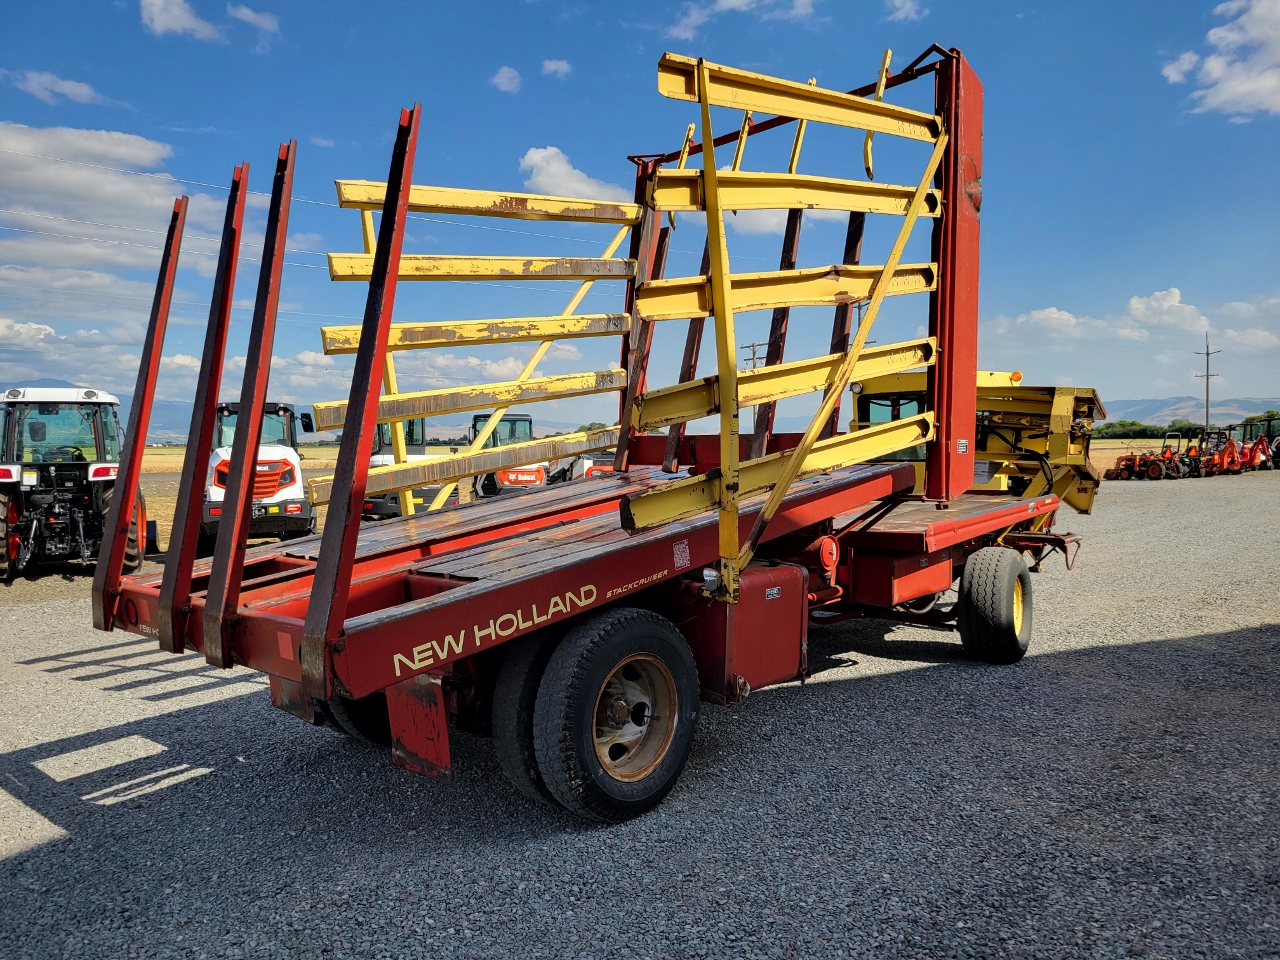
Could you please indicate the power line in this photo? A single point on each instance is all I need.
(1206, 376)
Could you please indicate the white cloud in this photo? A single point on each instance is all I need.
(906, 10)
(695, 15)
(52, 89)
(321, 142)
(564, 351)
(551, 172)
(1242, 74)
(757, 222)
(310, 242)
(1175, 71)
(556, 68)
(1254, 337)
(313, 359)
(268, 24)
(1166, 307)
(176, 16)
(507, 79)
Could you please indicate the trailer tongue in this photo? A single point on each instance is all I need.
(580, 624)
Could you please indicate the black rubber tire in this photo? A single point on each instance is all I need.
(7, 563)
(132, 552)
(1124, 473)
(986, 615)
(515, 696)
(365, 719)
(205, 543)
(564, 722)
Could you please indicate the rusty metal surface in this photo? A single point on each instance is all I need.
(223, 594)
(328, 604)
(420, 727)
(777, 333)
(842, 323)
(115, 525)
(187, 515)
(688, 368)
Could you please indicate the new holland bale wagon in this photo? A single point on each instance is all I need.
(582, 624)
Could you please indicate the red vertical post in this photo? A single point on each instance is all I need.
(124, 496)
(842, 324)
(953, 306)
(327, 609)
(688, 367)
(175, 587)
(223, 596)
(763, 426)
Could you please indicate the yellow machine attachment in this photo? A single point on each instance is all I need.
(1031, 441)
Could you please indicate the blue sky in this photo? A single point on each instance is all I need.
(1128, 156)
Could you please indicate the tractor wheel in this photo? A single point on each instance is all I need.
(1124, 473)
(1173, 470)
(994, 618)
(8, 516)
(365, 719)
(133, 548)
(616, 711)
(1155, 471)
(514, 697)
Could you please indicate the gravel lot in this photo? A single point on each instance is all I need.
(1112, 795)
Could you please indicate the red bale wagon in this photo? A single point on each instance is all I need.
(582, 624)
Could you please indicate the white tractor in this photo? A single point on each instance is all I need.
(59, 454)
(281, 507)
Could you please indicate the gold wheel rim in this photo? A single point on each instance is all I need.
(635, 715)
(1017, 606)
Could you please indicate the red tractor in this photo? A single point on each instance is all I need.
(1221, 454)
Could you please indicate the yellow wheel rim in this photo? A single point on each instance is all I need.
(1017, 606)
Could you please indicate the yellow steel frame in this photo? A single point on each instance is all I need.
(403, 477)
(721, 294)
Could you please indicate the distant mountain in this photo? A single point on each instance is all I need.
(1221, 412)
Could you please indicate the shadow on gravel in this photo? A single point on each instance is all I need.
(1090, 789)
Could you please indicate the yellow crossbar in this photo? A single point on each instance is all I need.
(371, 195)
(744, 90)
(414, 266)
(683, 297)
(681, 190)
(452, 333)
(330, 415)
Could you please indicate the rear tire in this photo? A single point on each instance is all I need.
(515, 697)
(8, 564)
(994, 619)
(1155, 471)
(615, 716)
(132, 548)
(366, 719)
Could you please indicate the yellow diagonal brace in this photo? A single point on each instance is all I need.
(700, 398)
(683, 297)
(682, 190)
(371, 195)
(726, 349)
(482, 437)
(413, 266)
(743, 90)
(696, 495)
(330, 415)
(426, 473)
(453, 333)
(797, 457)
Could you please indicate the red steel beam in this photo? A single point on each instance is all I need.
(124, 497)
(777, 334)
(953, 306)
(175, 588)
(688, 368)
(327, 609)
(223, 597)
(842, 324)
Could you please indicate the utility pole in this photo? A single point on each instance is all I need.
(755, 348)
(1206, 377)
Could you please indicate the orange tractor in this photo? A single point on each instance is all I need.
(1222, 454)
(1258, 443)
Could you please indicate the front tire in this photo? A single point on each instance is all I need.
(615, 715)
(994, 619)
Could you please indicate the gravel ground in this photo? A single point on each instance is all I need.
(1112, 795)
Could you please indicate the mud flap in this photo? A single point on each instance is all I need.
(287, 695)
(420, 727)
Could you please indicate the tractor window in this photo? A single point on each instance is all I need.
(508, 432)
(110, 435)
(275, 429)
(55, 433)
(885, 408)
(225, 434)
(414, 435)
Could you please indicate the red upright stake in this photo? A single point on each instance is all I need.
(175, 588)
(124, 497)
(223, 597)
(327, 608)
